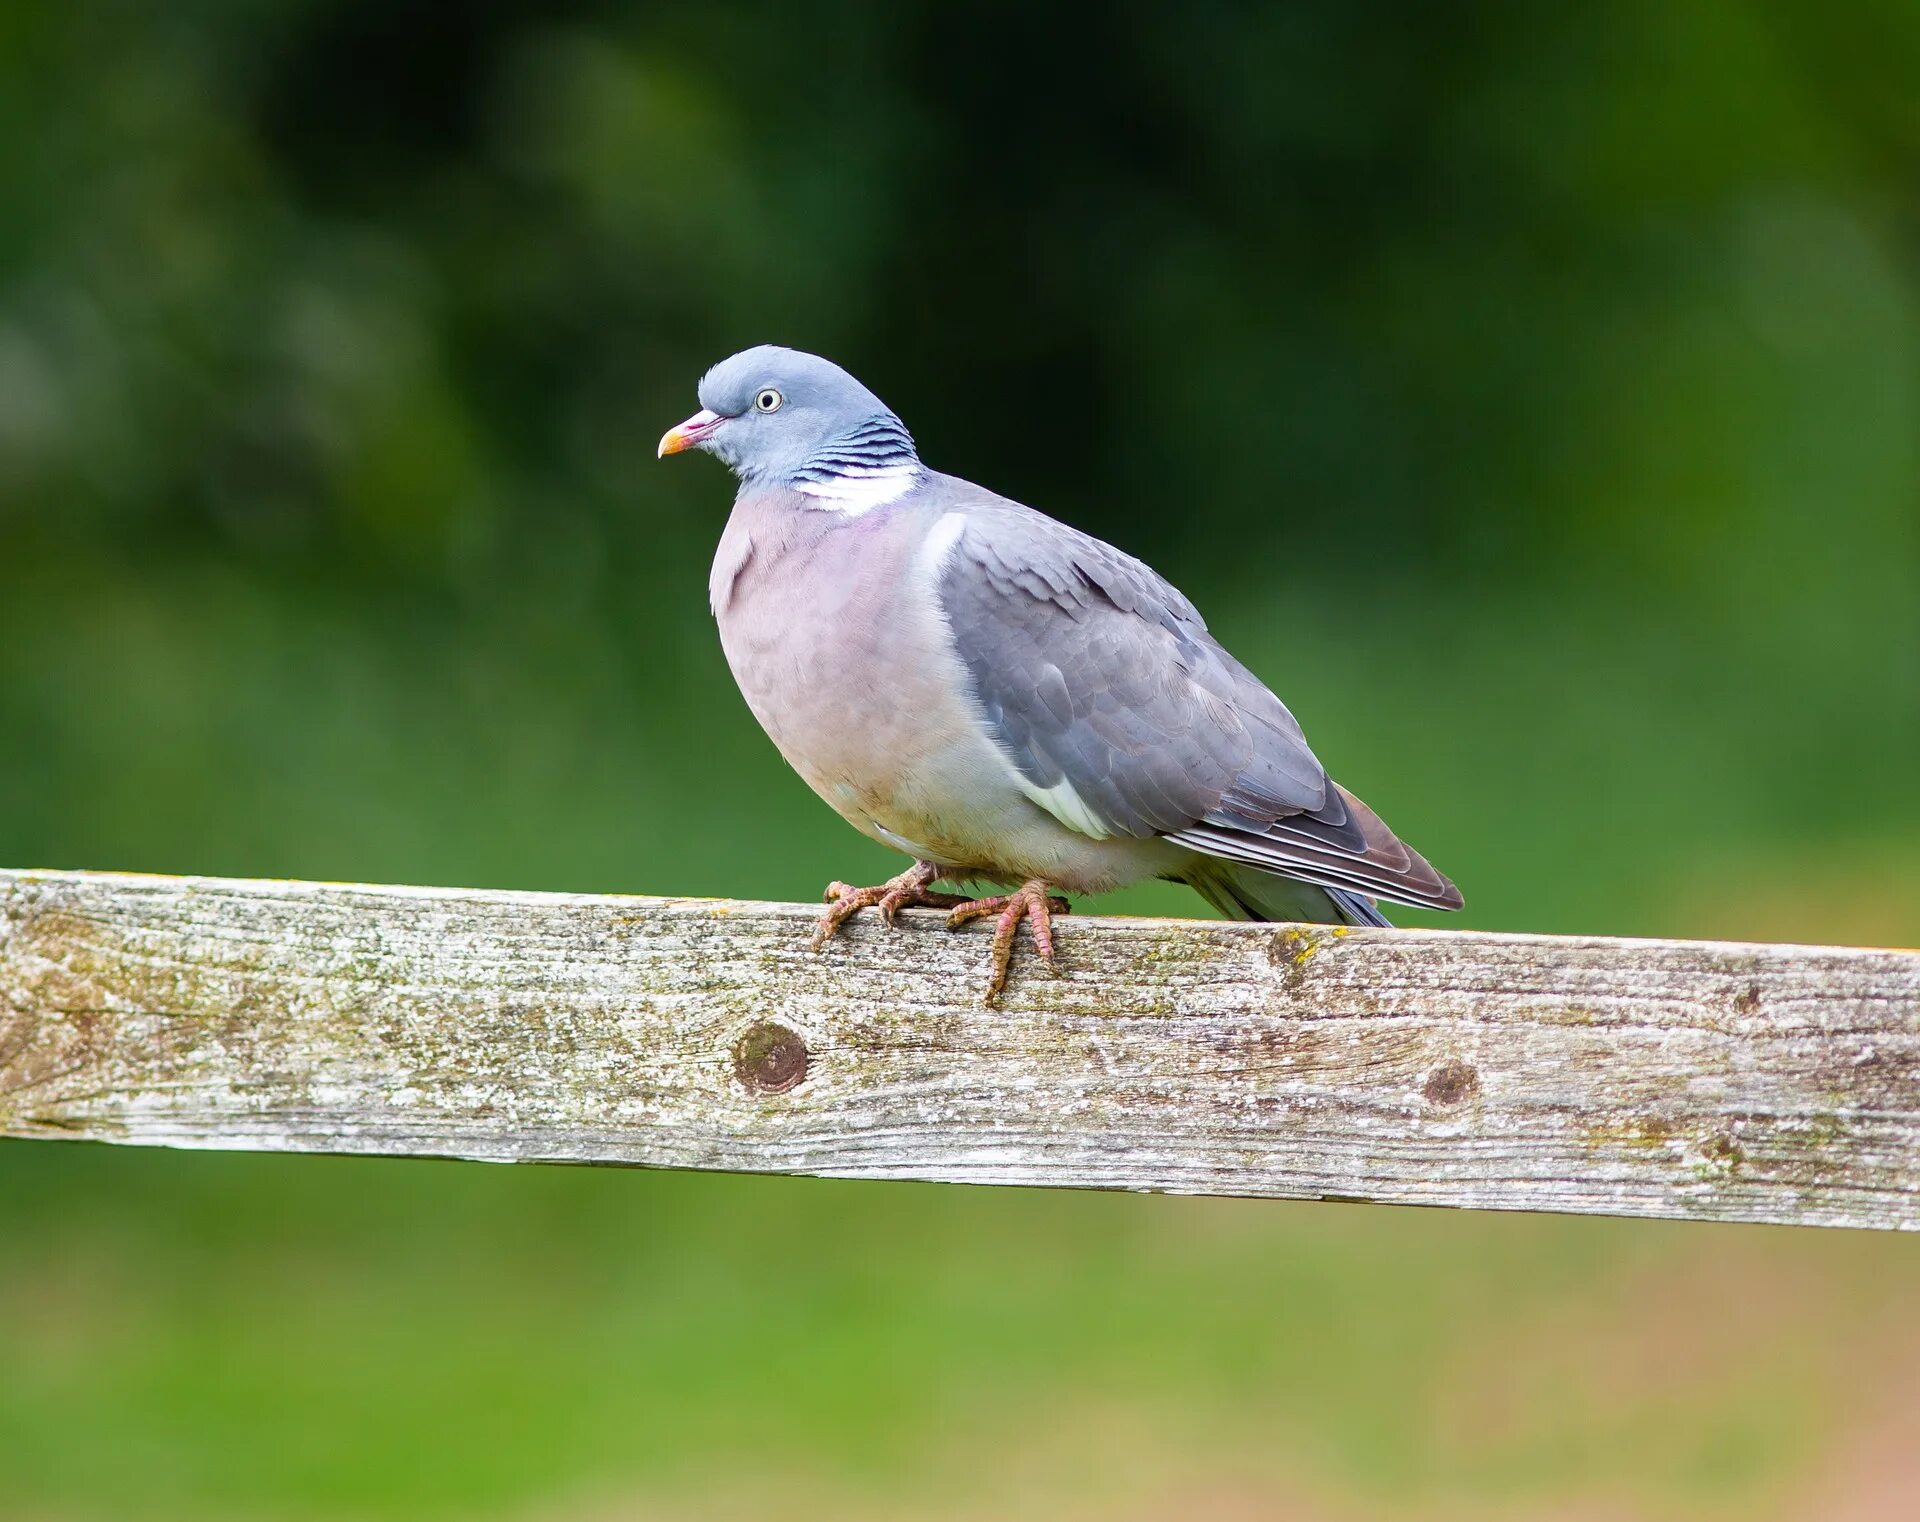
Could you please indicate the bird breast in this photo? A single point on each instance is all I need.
(829, 625)
(832, 627)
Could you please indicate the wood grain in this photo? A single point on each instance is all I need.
(1657, 1078)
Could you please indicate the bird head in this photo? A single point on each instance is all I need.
(775, 414)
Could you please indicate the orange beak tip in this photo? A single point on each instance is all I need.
(688, 435)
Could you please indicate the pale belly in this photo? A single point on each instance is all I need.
(864, 697)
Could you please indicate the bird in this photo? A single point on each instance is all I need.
(1003, 698)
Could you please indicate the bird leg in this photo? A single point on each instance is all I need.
(1030, 902)
(912, 888)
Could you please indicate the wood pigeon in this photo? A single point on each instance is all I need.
(999, 696)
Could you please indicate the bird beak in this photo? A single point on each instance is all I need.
(690, 434)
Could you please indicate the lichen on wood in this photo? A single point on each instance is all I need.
(1657, 1078)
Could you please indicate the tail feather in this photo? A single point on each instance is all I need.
(1351, 849)
(1358, 909)
(1244, 893)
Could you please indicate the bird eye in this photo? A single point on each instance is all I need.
(767, 401)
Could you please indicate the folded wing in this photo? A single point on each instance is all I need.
(1122, 716)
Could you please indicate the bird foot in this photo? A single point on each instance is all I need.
(1030, 902)
(911, 889)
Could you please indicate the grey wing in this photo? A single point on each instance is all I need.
(1123, 716)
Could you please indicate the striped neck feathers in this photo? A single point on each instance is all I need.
(871, 464)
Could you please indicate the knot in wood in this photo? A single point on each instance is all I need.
(770, 1058)
(1451, 1083)
(1721, 1151)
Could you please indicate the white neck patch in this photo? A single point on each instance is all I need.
(855, 489)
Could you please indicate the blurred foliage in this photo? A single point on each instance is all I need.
(1531, 393)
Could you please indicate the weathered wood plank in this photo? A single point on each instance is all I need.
(1658, 1078)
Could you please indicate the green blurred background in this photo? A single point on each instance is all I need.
(1532, 393)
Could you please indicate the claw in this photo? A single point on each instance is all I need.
(910, 888)
(1030, 902)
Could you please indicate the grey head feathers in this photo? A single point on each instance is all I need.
(783, 417)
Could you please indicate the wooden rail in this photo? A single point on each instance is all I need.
(1657, 1078)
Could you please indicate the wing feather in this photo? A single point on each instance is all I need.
(1100, 685)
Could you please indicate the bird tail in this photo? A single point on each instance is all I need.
(1358, 909)
(1242, 893)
